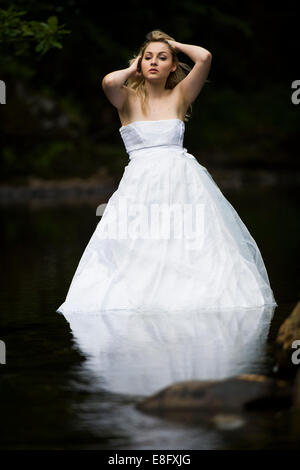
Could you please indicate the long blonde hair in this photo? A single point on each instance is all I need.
(138, 83)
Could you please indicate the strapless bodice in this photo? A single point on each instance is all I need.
(149, 134)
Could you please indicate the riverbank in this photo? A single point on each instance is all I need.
(99, 186)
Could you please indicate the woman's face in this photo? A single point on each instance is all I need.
(157, 56)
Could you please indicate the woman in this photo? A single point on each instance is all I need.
(144, 256)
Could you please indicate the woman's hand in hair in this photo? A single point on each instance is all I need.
(174, 44)
(135, 67)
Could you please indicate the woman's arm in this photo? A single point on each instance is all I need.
(113, 84)
(196, 53)
(192, 84)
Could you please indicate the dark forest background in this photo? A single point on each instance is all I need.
(57, 123)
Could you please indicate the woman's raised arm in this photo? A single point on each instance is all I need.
(113, 84)
(192, 84)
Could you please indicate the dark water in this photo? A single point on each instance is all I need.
(52, 397)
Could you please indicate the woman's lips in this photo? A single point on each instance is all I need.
(153, 70)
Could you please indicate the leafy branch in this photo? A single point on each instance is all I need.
(14, 29)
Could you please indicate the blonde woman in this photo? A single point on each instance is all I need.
(168, 239)
(156, 84)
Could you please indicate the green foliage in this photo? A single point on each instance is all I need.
(58, 123)
(19, 31)
(256, 127)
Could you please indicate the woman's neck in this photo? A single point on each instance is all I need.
(156, 91)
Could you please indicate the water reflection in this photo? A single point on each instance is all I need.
(137, 354)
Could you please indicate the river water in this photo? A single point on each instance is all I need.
(74, 383)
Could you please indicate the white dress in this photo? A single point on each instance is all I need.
(168, 239)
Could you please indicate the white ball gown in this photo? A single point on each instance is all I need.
(145, 255)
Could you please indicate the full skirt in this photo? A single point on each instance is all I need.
(170, 241)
